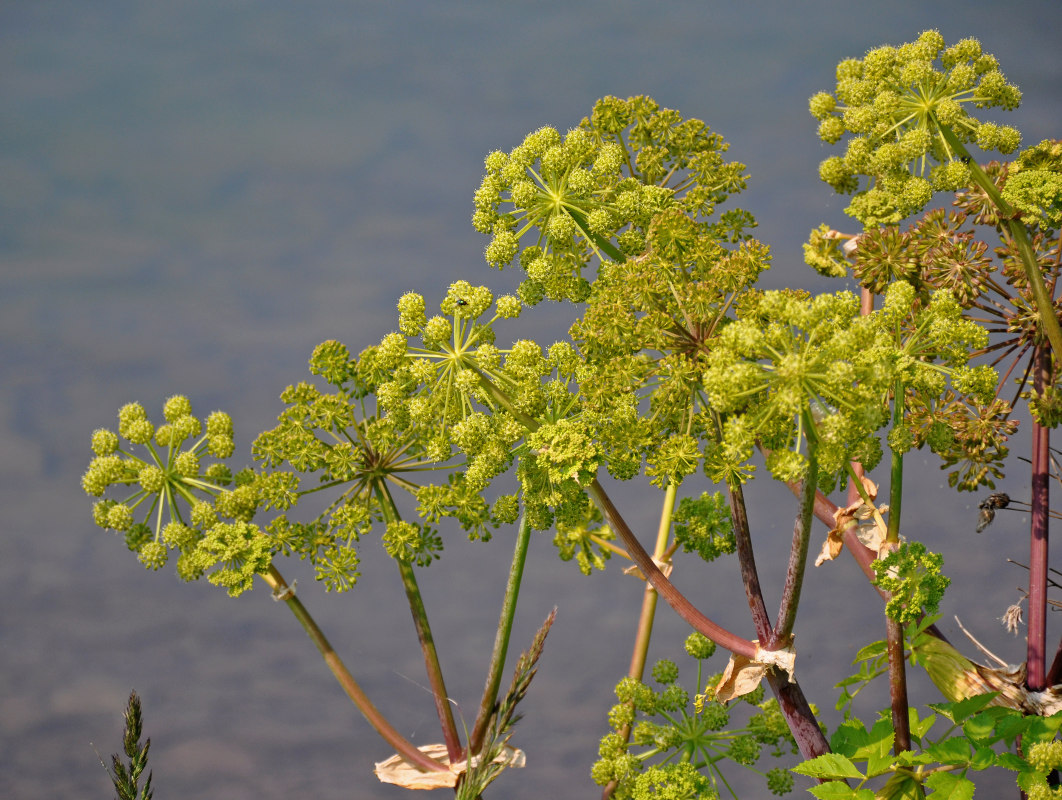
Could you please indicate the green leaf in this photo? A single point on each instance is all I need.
(981, 727)
(849, 737)
(1012, 761)
(829, 766)
(872, 650)
(920, 727)
(835, 790)
(1040, 729)
(901, 787)
(984, 758)
(951, 751)
(949, 786)
(961, 709)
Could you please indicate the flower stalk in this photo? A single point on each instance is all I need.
(283, 591)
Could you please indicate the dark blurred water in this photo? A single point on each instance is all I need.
(195, 193)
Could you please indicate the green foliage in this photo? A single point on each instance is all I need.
(685, 742)
(976, 736)
(676, 365)
(911, 574)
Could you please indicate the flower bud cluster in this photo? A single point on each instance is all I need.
(595, 190)
(177, 500)
(909, 120)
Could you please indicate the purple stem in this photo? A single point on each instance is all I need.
(1037, 642)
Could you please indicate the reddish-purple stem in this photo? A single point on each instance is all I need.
(1040, 505)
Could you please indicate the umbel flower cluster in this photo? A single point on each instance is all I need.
(677, 369)
(906, 110)
(172, 503)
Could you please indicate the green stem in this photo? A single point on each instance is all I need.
(892, 534)
(644, 633)
(501, 638)
(1020, 234)
(402, 746)
(427, 641)
(674, 598)
(649, 596)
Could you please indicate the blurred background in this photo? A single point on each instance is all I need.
(194, 193)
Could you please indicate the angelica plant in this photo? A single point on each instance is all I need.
(676, 739)
(677, 370)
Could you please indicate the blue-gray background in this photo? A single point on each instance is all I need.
(195, 193)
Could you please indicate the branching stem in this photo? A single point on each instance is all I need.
(402, 746)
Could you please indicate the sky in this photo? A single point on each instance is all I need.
(193, 194)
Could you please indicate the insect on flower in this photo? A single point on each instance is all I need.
(988, 508)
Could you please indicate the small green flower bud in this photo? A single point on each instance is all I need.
(665, 671)
(495, 161)
(153, 555)
(502, 249)
(187, 463)
(176, 407)
(822, 105)
(699, 646)
(137, 536)
(139, 431)
(220, 446)
(104, 442)
(178, 536)
(164, 436)
(99, 512)
(186, 427)
(119, 517)
(151, 478)
(411, 317)
(203, 515)
(561, 228)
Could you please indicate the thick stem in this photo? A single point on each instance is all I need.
(427, 641)
(791, 700)
(901, 722)
(1040, 506)
(402, 746)
(892, 535)
(798, 714)
(501, 638)
(750, 578)
(798, 557)
(674, 598)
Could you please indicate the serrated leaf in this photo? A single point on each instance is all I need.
(848, 738)
(950, 751)
(872, 650)
(1040, 729)
(961, 709)
(901, 787)
(920, 727)
(949, 786)
(830, 766)
(983, 758)
(1012, 761)
(981, 727)
(835, 790)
